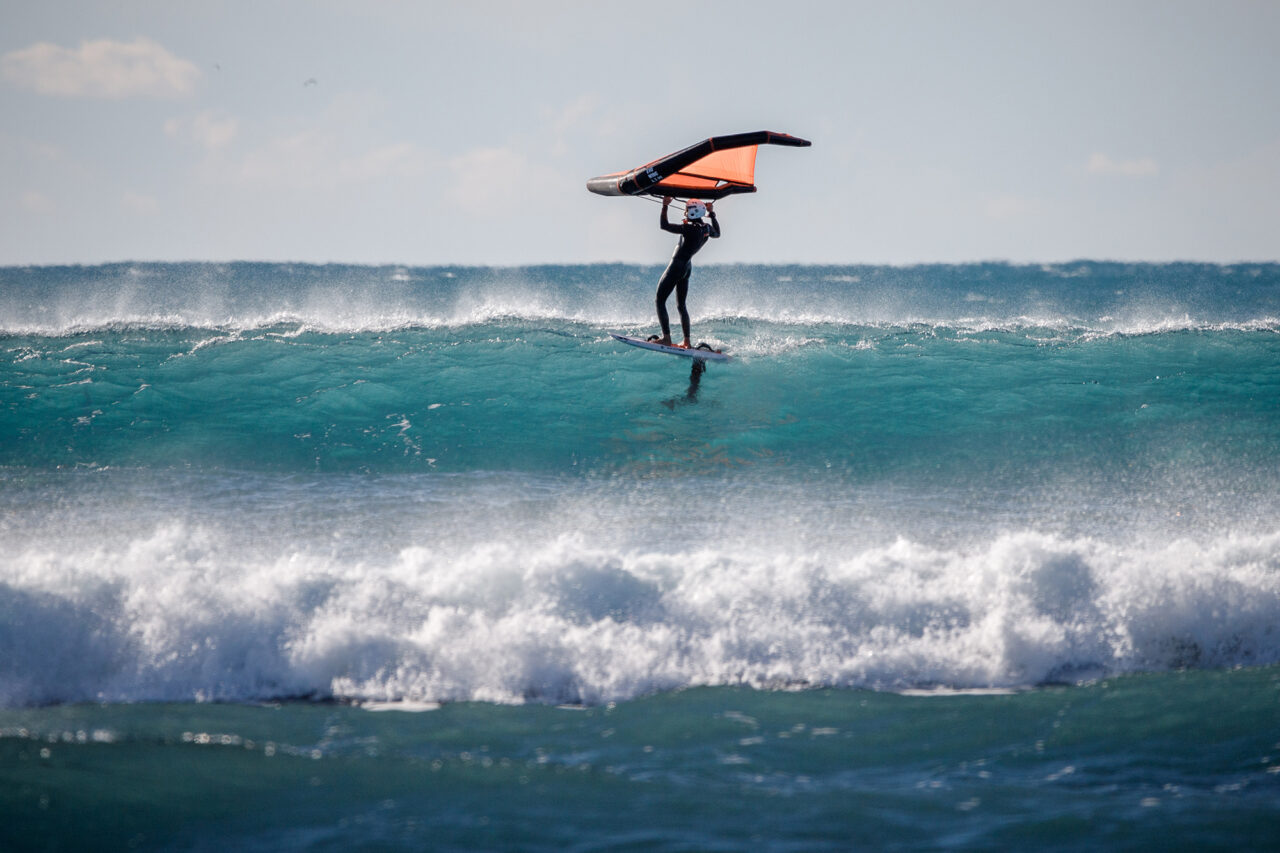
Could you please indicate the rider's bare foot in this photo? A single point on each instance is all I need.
(666, 342)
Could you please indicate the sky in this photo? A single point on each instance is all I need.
(439, 133)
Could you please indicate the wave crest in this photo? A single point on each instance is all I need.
(1100, 297)
(178, 615)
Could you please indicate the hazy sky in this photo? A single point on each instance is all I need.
(382, 131)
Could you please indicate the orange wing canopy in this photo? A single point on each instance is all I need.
(711, 169)
(734, 167)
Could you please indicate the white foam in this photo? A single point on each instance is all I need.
(611, 315)
(187, 612)
(404, 706)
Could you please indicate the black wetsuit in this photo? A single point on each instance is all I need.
(693, 236)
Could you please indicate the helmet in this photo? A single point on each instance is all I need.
(694, 209)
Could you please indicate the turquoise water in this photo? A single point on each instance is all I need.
(516, 395)
(673, 610)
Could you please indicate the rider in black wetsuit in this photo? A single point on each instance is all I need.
(694, 234)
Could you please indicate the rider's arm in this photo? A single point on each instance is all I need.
(662, 220)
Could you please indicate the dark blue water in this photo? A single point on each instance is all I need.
(1181, 761)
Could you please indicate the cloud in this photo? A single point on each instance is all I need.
(34, 201)
(566, 123)
(1007, 207)
(139, 203)
(1101, 164)
(483, 177)
(101, 69)
(210, 129)
(344, 148)
(498, 183)
(316, 160)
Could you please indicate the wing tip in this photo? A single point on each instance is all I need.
(776, 138)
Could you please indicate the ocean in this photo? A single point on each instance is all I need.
(302, 557)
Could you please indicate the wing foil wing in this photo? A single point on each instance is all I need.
(711, 169)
